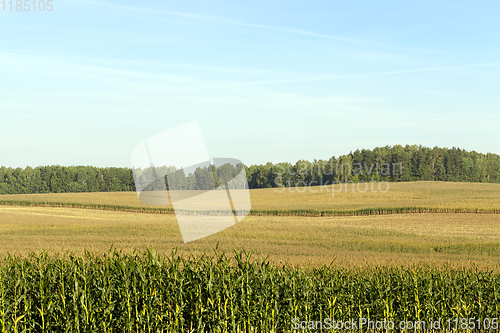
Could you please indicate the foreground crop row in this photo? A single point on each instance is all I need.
(146, 292)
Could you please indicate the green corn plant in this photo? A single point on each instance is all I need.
(149, 292)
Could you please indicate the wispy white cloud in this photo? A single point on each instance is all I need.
(317, 77)
(452, 95)
(117, 63)
(300, 32)
(429, 69)
(221, 20)
(161, 74)
(153, 11)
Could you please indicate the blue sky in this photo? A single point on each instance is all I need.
(268, 81)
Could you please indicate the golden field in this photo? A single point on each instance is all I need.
(347, 197)
(400, 239)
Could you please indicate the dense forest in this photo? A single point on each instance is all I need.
(390, 163)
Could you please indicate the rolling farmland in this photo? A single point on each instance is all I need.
(404, 194)
(397, 264)
(455, 238)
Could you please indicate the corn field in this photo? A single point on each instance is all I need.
(147, 292)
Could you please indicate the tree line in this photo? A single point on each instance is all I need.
(203, 177)
(390, 163)
(60, 179)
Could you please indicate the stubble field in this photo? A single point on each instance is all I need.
(340, 197)
(351, 241)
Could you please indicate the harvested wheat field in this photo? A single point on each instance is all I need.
(339, 197)
(349, 241)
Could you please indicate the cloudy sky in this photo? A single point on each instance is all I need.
(268, 81)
